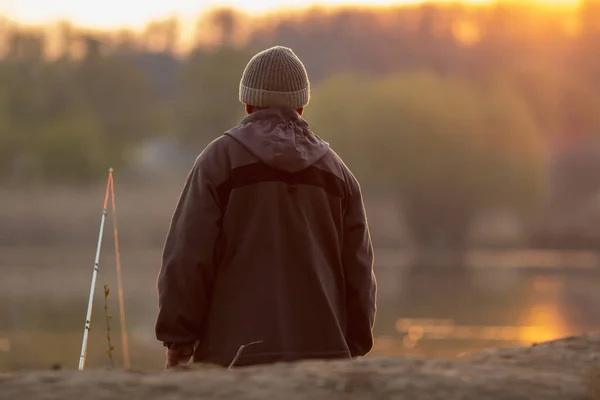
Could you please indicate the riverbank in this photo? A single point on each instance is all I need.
(563, 369)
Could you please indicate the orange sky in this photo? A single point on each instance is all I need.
(135, 13)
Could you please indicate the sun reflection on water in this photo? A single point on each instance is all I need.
(544, 320)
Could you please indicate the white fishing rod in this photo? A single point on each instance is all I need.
(88, 318)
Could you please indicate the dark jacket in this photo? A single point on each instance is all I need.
(269, 242)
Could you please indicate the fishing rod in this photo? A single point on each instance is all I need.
(88, 318)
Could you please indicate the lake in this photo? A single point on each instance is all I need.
(497, 298)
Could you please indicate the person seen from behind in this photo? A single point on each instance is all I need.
(269, 243)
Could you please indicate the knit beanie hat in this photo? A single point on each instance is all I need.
(275, 78)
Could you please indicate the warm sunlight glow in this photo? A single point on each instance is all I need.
(118, 13)
(545, 322)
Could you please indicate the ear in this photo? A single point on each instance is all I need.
(300, 110)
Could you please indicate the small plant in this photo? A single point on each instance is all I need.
(108, 318)
(239, 352)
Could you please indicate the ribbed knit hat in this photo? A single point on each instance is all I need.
(275, 78)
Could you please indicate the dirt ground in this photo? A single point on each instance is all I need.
(564, 369)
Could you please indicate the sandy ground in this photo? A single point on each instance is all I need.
(563, 369)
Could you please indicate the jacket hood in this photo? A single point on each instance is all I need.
(280, 138)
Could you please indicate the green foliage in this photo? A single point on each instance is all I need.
(208, 103)
(6, 139)
(71, 148)
(449, 148)
(63, 121)
(516, 150)
(108, 317)
(119, 96)
(467, 128)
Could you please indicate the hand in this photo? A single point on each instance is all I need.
(179, 354)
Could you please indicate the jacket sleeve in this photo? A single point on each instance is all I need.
(187, 272)
(357, 259)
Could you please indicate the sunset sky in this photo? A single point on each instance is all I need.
(135, 13)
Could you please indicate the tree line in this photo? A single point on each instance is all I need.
(429, 102)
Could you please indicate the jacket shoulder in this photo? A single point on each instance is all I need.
(334, 163)
(215, 149)
(215, 159)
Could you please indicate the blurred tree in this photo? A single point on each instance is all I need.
(208, 103)
(26, 45)
(70, 149)
(130, 85)
(225, 22)
(219, 27)
(5, 33)
(162, 36)
(120, 97)
(581, 98)
(126, 41)
(541, 86)
(7, 150)
(24, 87)
(449, 150)
(516, 149)
(66, 39)
(32, 98)
(580, 108)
